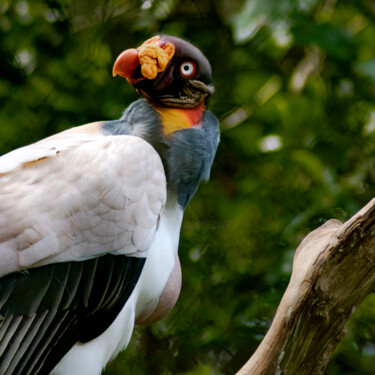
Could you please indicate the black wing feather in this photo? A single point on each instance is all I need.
(46, 310)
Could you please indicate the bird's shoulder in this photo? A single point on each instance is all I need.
(50, 146)
(85, 195)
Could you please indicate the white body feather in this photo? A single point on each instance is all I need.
(77, 195)
(90, 358)
(102, 196)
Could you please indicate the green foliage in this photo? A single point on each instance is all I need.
(295, 90)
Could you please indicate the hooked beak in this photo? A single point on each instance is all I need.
(126, 64)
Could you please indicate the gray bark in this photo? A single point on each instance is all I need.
(333, 271)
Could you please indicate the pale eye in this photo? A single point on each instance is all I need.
(188, 69)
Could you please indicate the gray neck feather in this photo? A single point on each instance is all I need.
(187, 154)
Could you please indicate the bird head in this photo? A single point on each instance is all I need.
(168, 71)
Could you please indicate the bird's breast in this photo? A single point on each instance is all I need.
(160, 281)
(167, 299)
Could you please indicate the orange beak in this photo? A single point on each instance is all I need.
(152, 57)
(126, 64)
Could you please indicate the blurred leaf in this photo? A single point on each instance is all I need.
(201, 370)
(366, 68)
(335, 41)
(310, 163)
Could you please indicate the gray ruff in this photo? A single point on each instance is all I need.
(192, 94)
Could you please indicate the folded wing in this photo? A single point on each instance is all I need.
(77, 218)
(102, 196)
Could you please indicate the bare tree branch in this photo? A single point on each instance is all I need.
(333, 271)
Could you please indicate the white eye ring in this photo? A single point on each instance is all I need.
(187, 69)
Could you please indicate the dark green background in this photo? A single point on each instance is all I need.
(295, 90)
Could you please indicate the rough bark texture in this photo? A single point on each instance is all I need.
(333, 271)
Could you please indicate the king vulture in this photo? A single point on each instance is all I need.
(90, 218)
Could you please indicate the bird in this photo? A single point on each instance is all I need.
(90, 218)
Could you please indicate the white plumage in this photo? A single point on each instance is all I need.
(90, 358)
(98, 196)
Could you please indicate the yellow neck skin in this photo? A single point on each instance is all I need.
(174, 119)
